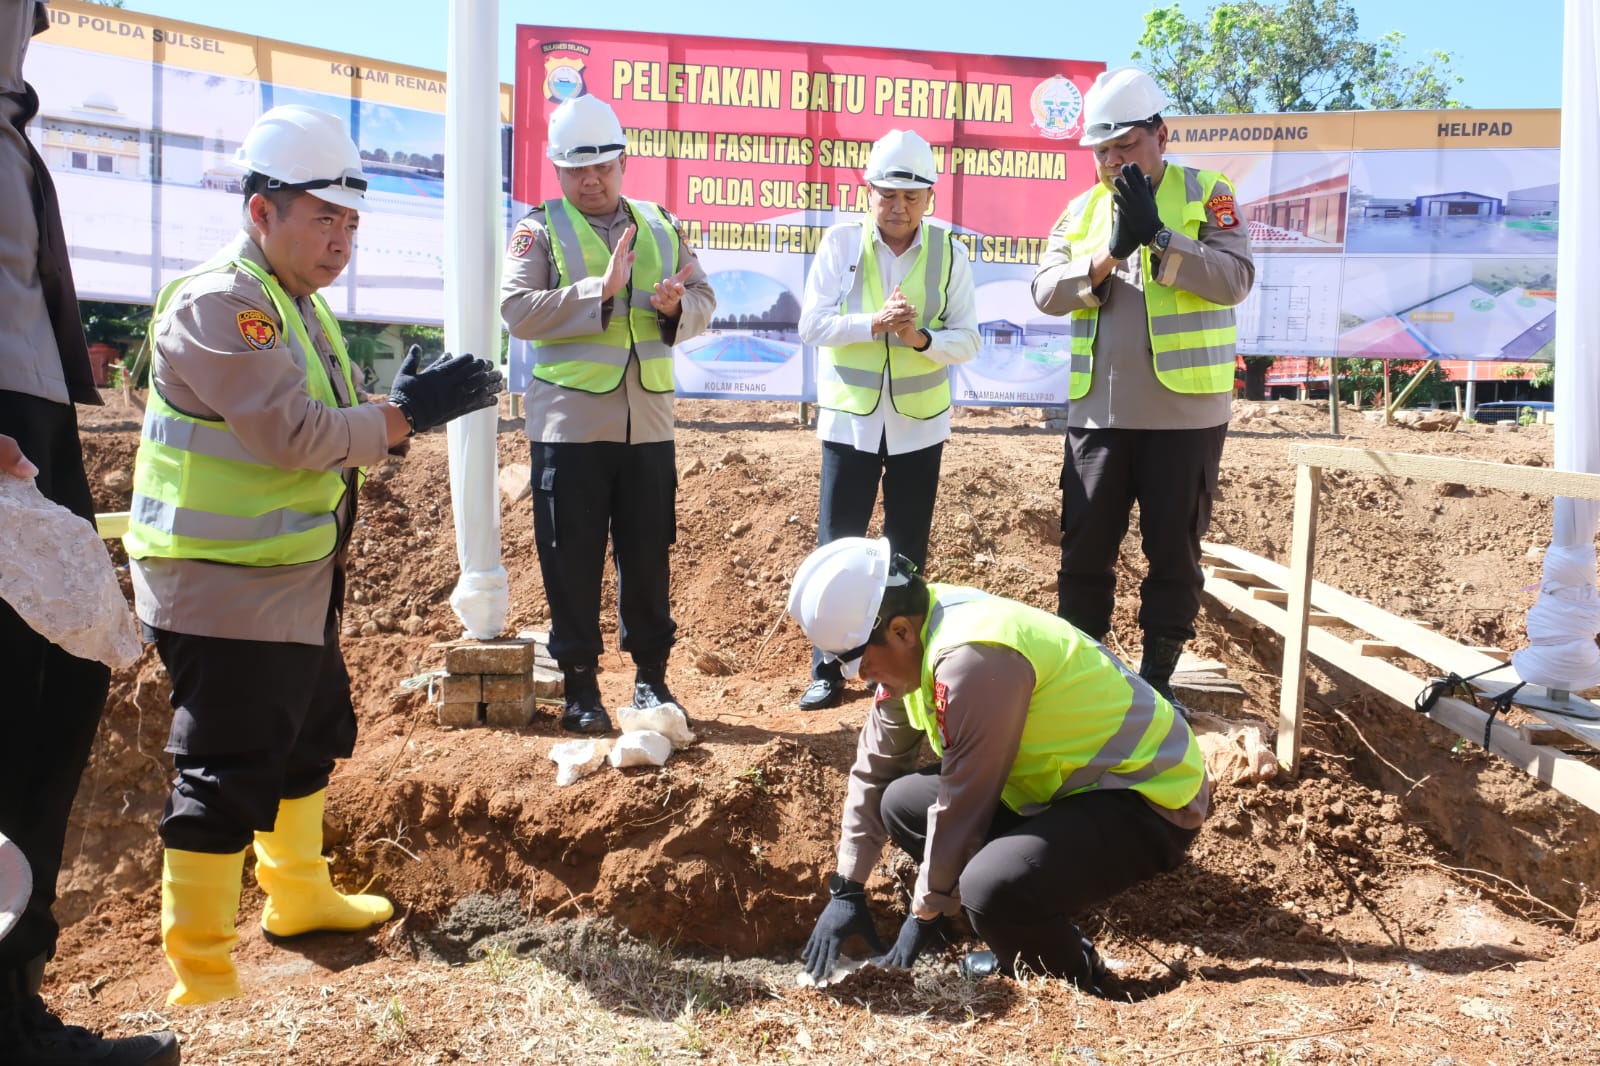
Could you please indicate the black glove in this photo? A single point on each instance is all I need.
(916, 936)
(1137, 219)
(846, 915)
(452, 387)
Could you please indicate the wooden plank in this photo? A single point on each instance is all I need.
(1323, 618)
(1503, 476)
(1570, 776)
(1377, 649)
(1540, 733)
(1433, 648)
(1499, 655)
(1302, 550)
(112, 525)
(1243, 577)
(1261, 592)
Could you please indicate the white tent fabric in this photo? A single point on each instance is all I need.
(473, 207)
(1564, 620)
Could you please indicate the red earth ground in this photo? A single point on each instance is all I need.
(1428, 904)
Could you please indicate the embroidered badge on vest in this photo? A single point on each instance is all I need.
(521, 241)
(941, 694)
(1221, 205)
(257, 329)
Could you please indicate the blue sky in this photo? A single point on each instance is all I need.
(1509, 55)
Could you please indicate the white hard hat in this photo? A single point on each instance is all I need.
(16, 884)
(1119, 100)
(901, 159)
(584, 131)
(303, 148)
(836, 595)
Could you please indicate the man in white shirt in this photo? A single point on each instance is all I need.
(889, 307)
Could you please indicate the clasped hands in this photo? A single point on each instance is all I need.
(668, 294)
(899, 317)
(1137, 217)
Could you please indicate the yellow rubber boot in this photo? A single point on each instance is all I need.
(294, 875)
(199, 902)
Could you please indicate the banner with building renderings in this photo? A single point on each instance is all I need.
(139, 120)
(1399, 235)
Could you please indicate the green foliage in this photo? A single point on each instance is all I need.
(1296, 55)
(1543, 374)
(1364, 378)
(113, 323)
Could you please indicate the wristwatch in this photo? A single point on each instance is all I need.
(927, 341)
(840, 885)
(1158, 243)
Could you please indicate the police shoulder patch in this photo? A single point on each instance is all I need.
(258, 329)
(941, 699)
(1221, 206)
(521, 241)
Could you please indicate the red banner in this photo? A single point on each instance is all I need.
(729, 134)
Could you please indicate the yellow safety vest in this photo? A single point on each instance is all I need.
(1088, 726)
(850, 377)
(198, 493)
(1194, 341)
(595, 362)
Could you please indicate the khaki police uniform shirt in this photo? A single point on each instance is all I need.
(987, 692)
(534, 307)
(204, 367)
(1124, 392)
(30, 363)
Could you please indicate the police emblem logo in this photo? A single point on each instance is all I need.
(563, 70)
(1221, 205)
(521, 241)
(941, 698)
(258, 330)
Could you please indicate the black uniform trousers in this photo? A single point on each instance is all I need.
(1022, 889)
(1172, 475)
(54, 700)
(850, 491)
(253, 722)
(583, 494)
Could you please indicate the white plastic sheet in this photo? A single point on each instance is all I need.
(1563, 622)
(473, 209)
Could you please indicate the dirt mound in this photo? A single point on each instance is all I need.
(1407, 899)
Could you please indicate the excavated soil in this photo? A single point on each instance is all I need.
(1407, 899)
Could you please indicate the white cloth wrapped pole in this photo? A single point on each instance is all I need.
(1562, 624)
(472, 211)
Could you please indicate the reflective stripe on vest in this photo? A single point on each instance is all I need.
(1194, 341)
(595, 362)
(850, 377)
(1089, 726)
(198, 492)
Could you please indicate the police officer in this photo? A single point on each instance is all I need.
(53, 700)
(889, 305)
(244, 496)
(1149, 263)
(604, 287)
(1062, 777)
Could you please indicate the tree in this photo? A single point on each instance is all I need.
(1296, 55)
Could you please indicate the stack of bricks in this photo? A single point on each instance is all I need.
(496, 683)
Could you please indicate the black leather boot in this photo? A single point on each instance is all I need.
(650, 683)
(581, 708)
(1161, 656)
(30, 1035)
